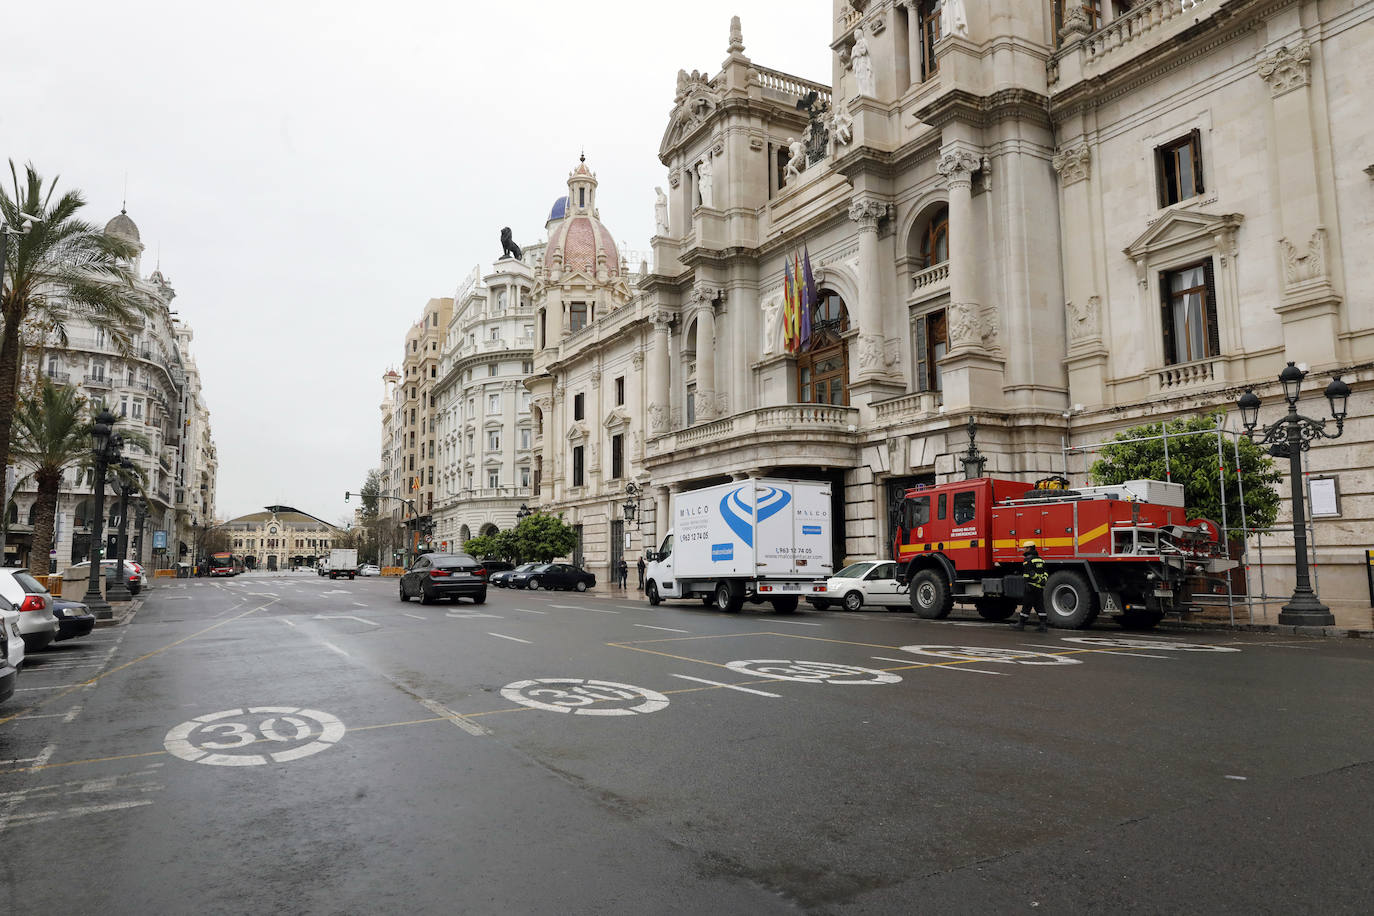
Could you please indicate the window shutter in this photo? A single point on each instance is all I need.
(1213, 330)
(922, 370)
(1197, 160)
(1166, 320)
(1161, 178)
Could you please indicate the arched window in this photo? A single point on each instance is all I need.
(82, 514)
(464, 535)
(33, 513)
(934, 240)
(823, 367)
(14, 513)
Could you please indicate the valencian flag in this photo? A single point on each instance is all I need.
(787, 308)
(809, 298)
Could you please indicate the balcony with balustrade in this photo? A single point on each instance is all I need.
(1133, 34)
(799, 435)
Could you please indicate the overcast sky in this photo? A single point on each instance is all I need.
(311, 172)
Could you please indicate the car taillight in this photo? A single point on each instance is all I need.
(439, 573)
(480, 571)
(33, 603)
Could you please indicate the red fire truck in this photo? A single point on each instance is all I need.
(1127, 549)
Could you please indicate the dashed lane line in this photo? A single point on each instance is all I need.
(334, 648)
(665, 629)
(1041, 645)
(472, 728)
(511, 638)
(416, 616)
(530, 610)
(799, 623)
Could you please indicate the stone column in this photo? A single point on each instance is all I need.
(659, 376)
(867, 211)
(705, 315)
(1087, 356)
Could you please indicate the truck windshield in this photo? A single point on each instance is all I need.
(667, 549)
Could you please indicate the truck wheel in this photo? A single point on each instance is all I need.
(996, 608)
(1140, 620)
(727, 599)
(786, 605)
(930, 595)
(854, 601)
(1069, 602)
(651, 589)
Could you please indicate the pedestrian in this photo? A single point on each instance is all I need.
(624, 572)
(640, 565)
(1034, 575)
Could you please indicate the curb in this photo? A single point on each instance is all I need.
(1283, 630)
(122, 615)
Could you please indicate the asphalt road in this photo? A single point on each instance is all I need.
(296, 745)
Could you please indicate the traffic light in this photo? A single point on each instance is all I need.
(346, 495)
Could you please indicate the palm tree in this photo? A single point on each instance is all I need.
(53, 434)
(62, 269)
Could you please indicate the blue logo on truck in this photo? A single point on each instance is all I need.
(811, 529)
(736, 511)
(722, 553)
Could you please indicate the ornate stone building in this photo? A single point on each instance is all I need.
(1063, 219)
(280, 538)
(154, 386)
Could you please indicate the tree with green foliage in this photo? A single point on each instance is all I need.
(61, 269)
(544, 537)
(1193, 463)
(480, 547)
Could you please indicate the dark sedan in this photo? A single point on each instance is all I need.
(554, 575)
(502, 579)
(73, 619)
(444, 575)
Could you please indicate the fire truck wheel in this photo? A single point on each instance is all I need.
(1140, 620)
(727, 600)
(1069, 601)
(930, 595)
(996, 608)
(652, 591)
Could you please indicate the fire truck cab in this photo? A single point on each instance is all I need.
(1126, 549)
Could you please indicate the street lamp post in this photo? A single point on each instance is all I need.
(523, 513)
(1289, 437)
(631, 505)
(119, 590)
(972, 460)
(105, 448)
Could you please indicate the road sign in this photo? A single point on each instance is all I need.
(159, 540)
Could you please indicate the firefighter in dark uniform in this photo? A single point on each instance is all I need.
(1033, 572)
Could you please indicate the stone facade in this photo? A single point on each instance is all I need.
(280, 538)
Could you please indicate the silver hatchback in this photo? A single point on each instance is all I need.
(37, 625)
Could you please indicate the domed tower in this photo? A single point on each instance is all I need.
(578, 242)
(124, 227)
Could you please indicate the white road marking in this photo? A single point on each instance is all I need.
(177, 598)
(799, 623)
(472, 728)
(345, 617)
(907, 661)
(359, 604)
(1241, 778)
(39, 817)
(8, 808)
(331, 646)
(71, 714)
(530, 610)
(631, 607)
(416, 616)
(665, 629)
(285, 621)
(702, 680)
(511, 638)
(49, 687)
(1107, 650)
(31, 670)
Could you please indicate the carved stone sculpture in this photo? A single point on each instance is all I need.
(954, 20)
(772, 316)
(1082, 319)
(658, 418)
(1287, 68)
(704, 181)
(1073, 164)
(508, 247)
(660, 212)
(863, 65)
(796, 158)
(841, 129)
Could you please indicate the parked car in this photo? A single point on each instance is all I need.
(368, 569)
(73, 619)
(502, 579)
(11, 649)
(555, 576)
(133, 573)
(865, 582)
(37, 625)
(444, 575)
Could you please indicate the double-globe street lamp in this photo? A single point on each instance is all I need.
(1289, 437)
(105, 451)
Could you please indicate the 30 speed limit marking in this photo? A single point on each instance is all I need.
(583, 697)
(808, 672)
(254, 736)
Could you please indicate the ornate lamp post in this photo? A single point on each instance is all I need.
(105, 448)
(119, 589)
(1288, 438)
(523, 513)
(631, 505)
(972, 460)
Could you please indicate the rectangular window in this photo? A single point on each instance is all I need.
(527, 367)
(495, 333)
(692, 404)
(493, 478)
(524, 477)
(123, 406)
(491, 370)
(493, 404)
(578, 406)
(941, 507)
(620, 390)
(138, 408)
(1188, 316)
(577, 317)
(524, 437)
(916, 512)
(928, 22)
(617, 457)
(1180, 169)
(577, 466)
(493, 440)
(965, 505)
(930, 346)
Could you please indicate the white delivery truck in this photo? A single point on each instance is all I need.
(343, 562)
(756, 540)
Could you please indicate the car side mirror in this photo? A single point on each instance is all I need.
(652, 555)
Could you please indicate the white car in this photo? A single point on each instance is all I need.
(14, 640)
(865, 582)
(367, 569)
(37, 625)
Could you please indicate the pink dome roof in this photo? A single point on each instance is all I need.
(579, 240)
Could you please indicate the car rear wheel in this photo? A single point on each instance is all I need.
(581, 585)
(425, 596)
(854, 600)
(652, 591)
(479, 599)
(534, 584)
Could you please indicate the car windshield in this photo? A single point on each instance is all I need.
(854, 571)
